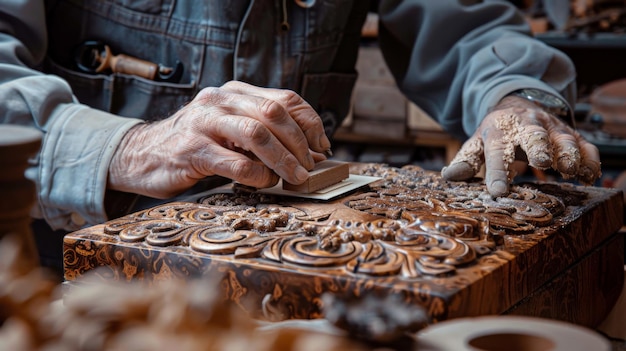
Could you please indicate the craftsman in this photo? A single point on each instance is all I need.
(251, 90)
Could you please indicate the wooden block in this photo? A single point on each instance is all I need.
(325, 174)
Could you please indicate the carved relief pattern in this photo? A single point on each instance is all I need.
(448, 247)
(410, 223)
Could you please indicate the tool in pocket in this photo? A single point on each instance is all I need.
(96, 57)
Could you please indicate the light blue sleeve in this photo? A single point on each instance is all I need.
(70, 172)
(457, 59)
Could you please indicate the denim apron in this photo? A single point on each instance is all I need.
(308, 46)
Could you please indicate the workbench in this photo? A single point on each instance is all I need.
(546, 250)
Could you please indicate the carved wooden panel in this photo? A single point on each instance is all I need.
(447, 246)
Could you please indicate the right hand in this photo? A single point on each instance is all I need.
(249, 134)
(518, 129)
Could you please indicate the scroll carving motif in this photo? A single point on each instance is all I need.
(410, 223)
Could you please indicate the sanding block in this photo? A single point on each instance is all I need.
(325, 174)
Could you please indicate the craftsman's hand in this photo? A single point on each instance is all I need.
(519, 129)
(249, 134)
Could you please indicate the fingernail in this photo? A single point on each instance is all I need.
(498, 188)
(301, 174)
(328, 153)
(324, 142)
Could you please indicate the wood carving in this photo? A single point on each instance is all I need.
(446, 246)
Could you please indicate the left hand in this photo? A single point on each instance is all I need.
(518, 129)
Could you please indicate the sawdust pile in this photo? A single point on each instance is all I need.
(35, 314)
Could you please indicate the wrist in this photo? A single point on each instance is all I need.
(550, 103)
(122, 169)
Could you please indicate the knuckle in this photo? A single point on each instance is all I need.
(230, 83)
(242, 169)
(290, 97)
(248, 172)
(256, 132)
(271, 109)
(286, 160)
(212, 94)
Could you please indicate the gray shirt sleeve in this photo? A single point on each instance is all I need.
(71, 169)
(457, 59)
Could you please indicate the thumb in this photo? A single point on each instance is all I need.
(467, 162)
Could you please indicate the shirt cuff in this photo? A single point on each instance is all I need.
(71, 174)
(503, 87)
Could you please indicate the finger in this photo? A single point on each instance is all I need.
(233, 165)
(301, 112)
(251, 135)
(499, 153)
(318, 156)
(535, 142)
(274, 116)
(566, 157)
(467, 162)
(589, 170)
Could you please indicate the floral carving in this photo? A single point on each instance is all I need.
(410, 223)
